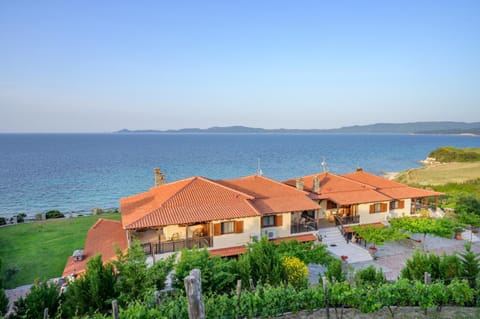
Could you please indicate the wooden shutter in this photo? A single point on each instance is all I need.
(217, 229)
(330, 204)
(261, 221)
(239, 226)
(278, 220)
(372, 209)
(401, 204)
(392, 205)
(383, 207)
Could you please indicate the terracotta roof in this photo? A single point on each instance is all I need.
(390, 188)
(270, 196)
(408, 192)
(329, 182)
(348, 229)
(191, 200)
(359, 187)
(230, 251)
(372, 180)
(104, 237)
(300, 238)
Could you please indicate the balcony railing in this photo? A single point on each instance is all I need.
(303, 227)
(169, 246)
(346, 220)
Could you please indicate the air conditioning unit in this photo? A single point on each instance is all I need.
(271, 234)
(254, 236)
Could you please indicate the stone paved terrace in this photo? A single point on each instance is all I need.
(392, 257)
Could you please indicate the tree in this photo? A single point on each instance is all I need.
(93, 291)
(467, 204)
(3, 302)
(41, 296)
(378, 235)
(218, 275)
(471, 265)
(262, 263)
(442, 227)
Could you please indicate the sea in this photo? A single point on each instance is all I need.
(78, 172)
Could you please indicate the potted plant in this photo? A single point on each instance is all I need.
(458, 232)
(344, 258)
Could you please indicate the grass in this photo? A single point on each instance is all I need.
(441, 174)
(40, 249)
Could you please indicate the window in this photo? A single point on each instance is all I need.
(378, 208)
(397, 204)
(228, 227)
(268, 221)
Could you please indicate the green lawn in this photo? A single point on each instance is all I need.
(40, 249)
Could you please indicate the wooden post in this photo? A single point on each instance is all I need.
(45, 313)
(325, 291)
(239, 288)
(428, 280)
(157, 298)
(115, 309)
(252, 287)
(193, 288)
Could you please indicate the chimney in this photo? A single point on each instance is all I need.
(316, 183)
(300, 183)
(359, 169)
(159, 177)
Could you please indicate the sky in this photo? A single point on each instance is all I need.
(101, 66)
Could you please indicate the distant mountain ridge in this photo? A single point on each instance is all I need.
(395, 128)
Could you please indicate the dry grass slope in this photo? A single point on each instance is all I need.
(440, 174)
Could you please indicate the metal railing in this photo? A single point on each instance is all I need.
(168, 246)
(303, 227)
(346, 220)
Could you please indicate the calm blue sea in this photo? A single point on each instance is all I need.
(76, 172)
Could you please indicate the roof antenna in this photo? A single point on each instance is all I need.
(324, 165)
(259, 169)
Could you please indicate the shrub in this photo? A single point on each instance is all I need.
(21, 217)
(296, 271)
(3, 302)
(335, 271)
(218, 275)
(369, 277)
(419, 264)
(3, 221)
(54, 214)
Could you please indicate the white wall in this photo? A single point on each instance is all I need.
(367, 218)
(405, 211)
(251, 225)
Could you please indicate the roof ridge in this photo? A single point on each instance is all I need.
(227, 187)
(282, 184)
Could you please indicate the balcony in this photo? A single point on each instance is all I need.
(306, 226)
(346, 220)
(169, 246)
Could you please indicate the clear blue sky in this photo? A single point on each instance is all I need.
(97, 66)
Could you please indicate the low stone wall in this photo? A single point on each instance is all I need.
(400, 312)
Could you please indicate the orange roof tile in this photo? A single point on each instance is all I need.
(348, 229)
(359, 187)
(104, 237)
(191, 200)
(372, 180)
(230, 251)
(271, 196)
(300, 238)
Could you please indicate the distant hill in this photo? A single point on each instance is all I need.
(396, 128)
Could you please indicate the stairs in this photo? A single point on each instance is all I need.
(336, 244)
